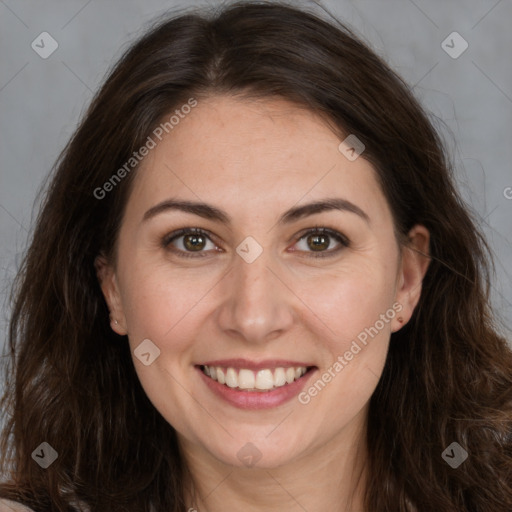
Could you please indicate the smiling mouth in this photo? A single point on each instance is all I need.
(263, 380)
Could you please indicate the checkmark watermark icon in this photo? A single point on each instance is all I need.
(146, 352)
(44, 45)
(249, 249)
(454, 45)
(45, 455)
(351, 147)
(249, 455)
(454, 455)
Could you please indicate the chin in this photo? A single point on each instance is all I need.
(255, 454)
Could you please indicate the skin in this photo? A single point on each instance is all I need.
(254, 159)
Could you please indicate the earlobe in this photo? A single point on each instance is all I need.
(414, 265)
(108, 283)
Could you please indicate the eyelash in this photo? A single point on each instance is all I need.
(168, 239)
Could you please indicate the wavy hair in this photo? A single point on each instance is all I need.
(70, 380)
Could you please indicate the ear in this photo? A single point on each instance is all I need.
(108, 282)
(413, 267)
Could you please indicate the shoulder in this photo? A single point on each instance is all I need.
(13, 506)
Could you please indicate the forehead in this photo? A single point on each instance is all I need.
(253, 156)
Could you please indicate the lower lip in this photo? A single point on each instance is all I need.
(257, 399)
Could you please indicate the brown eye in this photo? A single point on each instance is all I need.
(321, 240)
(184, 242)
(194, 242)
(318, 242)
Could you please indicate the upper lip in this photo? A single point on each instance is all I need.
(255, 365)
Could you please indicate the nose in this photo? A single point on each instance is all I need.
(258, 304)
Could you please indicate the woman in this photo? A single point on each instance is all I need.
(253, 285)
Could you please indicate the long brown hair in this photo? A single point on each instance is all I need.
(70, 380)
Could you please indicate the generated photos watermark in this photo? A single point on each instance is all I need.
(151, 143)
(343, 360)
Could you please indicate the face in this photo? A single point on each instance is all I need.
(289, 307)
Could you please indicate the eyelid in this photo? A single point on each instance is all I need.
(334, 233)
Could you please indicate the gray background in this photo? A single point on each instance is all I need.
(41, 100)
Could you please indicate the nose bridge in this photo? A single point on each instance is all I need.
(253, 281)
(256, 304)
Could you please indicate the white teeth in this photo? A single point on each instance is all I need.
(246, 379)
(231, 378)
(262, 380)
(279, 377)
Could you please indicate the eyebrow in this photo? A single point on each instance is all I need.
(211, 212)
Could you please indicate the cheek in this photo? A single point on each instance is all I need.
(351, 323)
(166, 310)
(349, 300)
(167, 306)
(350, 317)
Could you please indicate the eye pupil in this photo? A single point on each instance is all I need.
(320, 242)
(194, 242)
